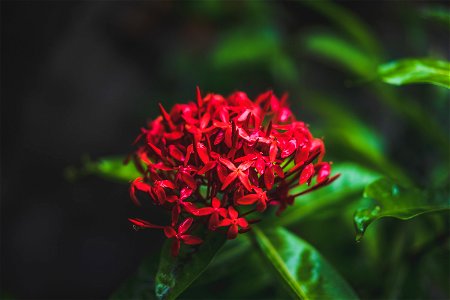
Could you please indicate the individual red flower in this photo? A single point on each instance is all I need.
(180, 235)
(234, 222)
(214, 161)
(214, 210)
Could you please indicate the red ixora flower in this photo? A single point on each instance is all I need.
(213, 162)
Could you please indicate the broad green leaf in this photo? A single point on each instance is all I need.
(175, 274)
(437, 13)
(388, 199)
(340, 52)
(254, 46)
(355, 139)
(349, 23)
(111, 168)
(416, 70)
(141, 285)
(301, 268)
(351, 183)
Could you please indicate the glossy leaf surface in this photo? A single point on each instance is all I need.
(175, 274)
(408, 71)
(300, 267)
(388, 199)
(352, 181)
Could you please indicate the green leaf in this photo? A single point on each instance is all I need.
(340, 52)
(301, 268)
(438, 14)
(388, 199)
(175, 274)
(415, 70)
(111, 168)
(252, 46)
(349, 23)
(351, 183)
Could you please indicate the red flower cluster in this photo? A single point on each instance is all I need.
(206, 162)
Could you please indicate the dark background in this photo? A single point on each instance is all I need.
(81, 78)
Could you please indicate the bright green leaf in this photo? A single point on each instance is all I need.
(351, 183)
(437, 13)
(340, 52)
(388, 199)
(415, 70)
(254, 46)
(301, 268)
(175, 274)
(349, 23)
(111, 168)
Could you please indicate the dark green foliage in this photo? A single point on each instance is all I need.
(390, 144)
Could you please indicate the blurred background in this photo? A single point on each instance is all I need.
(81, 78)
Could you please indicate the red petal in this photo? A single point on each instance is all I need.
(143, 223)
(219, 137)
(269, 178)
(242, 222)
(228, 135)
(317, 145)
(189, 180)
(273, 151)
(278, 170)
(175, 247)
(175, 214)
(202, 152)
(140, 185)
(244, 115)
(184, 226)
(172, 136)
(185, 193)
(230, 178)
(244, 180)
(155, 149)
(222, 212)
(199, 97)
(205, 120)
(206, 168)
(247, 157)
(169, 232)
(323, 172)
(248, 199)
(166, 116)
(189, 151)
(215, 202)
(222, 172)
(204, 211)
(191, 240)
(213, 221)
(227, 163)
(189, 207)
(306, 174)
(261, 206)
(133, 195)
(232, 232)
(289, 148)
(167, 184)
(160, 194)
(176, 153)
(232, 212)
(245, 165)
(301, 155)
(224, 222)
